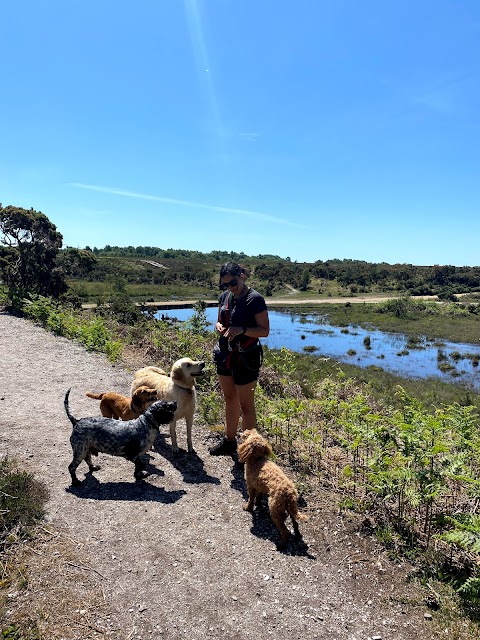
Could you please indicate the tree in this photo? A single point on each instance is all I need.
(78, 263)
(305, 280)
(29, 244)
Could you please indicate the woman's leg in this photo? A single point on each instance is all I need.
(232, 405)
(246, 398)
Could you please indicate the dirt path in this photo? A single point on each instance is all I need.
(176, 556)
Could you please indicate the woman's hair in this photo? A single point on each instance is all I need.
(232, 269)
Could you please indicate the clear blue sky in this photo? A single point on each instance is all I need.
(308, 129)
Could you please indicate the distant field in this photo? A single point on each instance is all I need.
(93, 291)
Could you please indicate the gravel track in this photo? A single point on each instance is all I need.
(176, 556)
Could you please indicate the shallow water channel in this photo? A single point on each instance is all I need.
(308, 333)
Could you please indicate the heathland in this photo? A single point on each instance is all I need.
(403, 456)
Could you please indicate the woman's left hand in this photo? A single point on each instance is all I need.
(233, 332)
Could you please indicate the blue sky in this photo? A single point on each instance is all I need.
(307, 129)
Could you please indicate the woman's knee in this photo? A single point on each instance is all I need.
(230, 395)
(247, 409)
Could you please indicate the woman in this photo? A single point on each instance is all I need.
(242, 320)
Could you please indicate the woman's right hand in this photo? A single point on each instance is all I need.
(220, 328)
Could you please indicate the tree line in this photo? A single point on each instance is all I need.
(32, 258)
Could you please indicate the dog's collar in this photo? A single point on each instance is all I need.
(187, 390)
(180, 386)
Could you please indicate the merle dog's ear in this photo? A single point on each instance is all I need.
(162, 411)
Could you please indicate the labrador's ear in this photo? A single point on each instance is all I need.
(177, 373)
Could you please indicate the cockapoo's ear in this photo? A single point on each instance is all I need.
(264, 446)
(254, 447)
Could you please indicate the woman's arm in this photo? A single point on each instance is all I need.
(219, 326)
(260, 331)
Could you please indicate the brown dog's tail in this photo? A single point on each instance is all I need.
(292, 510)
(67, 410)
(96, 396)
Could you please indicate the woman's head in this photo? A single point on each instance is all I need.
(232, 276)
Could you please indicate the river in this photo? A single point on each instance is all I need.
(307, 332)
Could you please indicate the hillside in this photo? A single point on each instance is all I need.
(149, 273)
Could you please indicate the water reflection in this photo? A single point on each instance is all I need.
(393, 352)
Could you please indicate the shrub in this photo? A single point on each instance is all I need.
(91, 330)
(22, 500)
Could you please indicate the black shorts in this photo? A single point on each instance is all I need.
(243, 366)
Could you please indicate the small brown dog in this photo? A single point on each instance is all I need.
(264, 476)
(113, 405)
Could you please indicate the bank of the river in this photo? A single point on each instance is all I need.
(448, 371)
(362, 311)
(289, 301)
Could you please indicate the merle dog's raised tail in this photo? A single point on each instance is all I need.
(67, 410)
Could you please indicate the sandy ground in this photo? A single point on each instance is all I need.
(175, 556)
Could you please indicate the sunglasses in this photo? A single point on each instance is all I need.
(225, 285)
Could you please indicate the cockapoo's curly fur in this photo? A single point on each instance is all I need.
(264, 476)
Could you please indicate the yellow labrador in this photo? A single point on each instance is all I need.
(178, 386)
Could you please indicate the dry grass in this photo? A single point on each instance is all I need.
(49, 591)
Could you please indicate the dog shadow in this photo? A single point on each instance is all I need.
(262, 525)
(138, 491)
(189, 464)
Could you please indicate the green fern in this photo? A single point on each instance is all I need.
(470, 588)
(465, 533)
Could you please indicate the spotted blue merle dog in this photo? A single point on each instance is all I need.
(129, 439)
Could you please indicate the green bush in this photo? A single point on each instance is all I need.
(22, 500)
(14, 632)
(93, 331)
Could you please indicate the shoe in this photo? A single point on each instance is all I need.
(224, 448)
